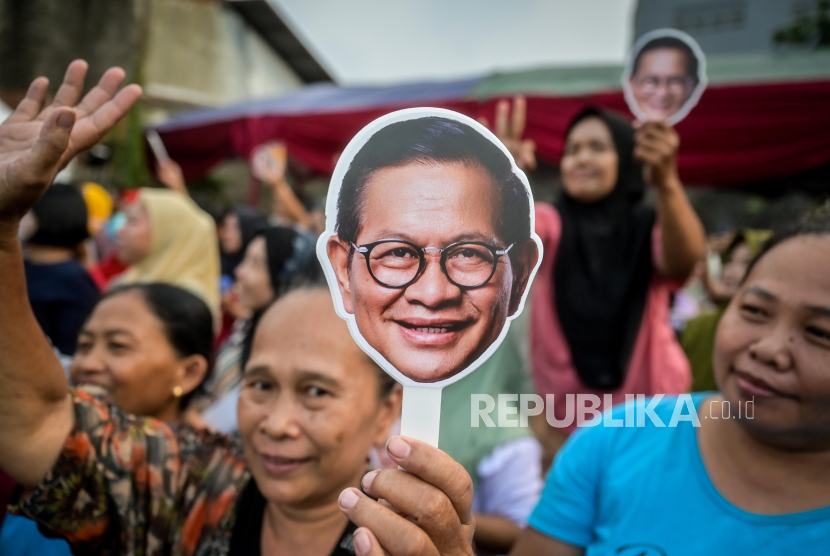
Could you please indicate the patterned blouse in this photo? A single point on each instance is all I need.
(139, 487)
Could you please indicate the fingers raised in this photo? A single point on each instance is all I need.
(73, 84)
(517, 127)
(106, 88)
(502, 130)
(30, 106)
(435, 467)
(31, 173)
(91, 128)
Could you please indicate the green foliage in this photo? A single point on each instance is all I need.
(807, 31)
(129, 155)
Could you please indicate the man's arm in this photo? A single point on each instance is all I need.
(35, 143)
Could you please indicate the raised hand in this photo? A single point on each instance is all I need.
(509, 129)
(656, 146)
(425, 510)
(170, 174)
(36, 141)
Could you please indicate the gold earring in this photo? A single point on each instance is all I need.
(178, 391)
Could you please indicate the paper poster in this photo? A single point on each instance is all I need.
(665, 76)
(429, 248)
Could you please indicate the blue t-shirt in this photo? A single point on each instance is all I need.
(19, 536)
(645, 492)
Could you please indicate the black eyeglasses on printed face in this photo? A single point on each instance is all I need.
(395, 263)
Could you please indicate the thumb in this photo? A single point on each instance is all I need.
(365, 543)
(51, 144)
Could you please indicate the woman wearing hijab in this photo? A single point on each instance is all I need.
(600, 305)
(276, 259)
(168, 238)
(237, 227)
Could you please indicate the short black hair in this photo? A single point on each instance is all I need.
(186, 320)
(61, 216)
(815, 222)
(675, 44)
(433, 139)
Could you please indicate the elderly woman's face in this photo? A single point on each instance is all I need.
(773, 345)
(590, 162)
(309, 410)
(135, 239)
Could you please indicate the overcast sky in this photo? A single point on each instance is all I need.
(387, 41)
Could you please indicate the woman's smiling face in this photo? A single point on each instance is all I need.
(590, 162)
(773, 345)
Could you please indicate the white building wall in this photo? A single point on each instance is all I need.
(201, 53)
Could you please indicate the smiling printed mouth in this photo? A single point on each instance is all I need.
(438, 328)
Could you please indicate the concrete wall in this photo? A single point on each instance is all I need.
(41, 37)
(202, 53)
(722, 26)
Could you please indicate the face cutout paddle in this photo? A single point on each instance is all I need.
(429, 250)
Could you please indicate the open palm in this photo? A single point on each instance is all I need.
(36, 141)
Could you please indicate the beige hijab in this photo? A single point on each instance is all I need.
(185, 249)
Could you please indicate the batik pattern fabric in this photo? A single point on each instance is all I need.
(133, 486)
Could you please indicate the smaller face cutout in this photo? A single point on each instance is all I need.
(665, 76)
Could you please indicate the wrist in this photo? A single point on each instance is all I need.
(9, 238)
(670, 183)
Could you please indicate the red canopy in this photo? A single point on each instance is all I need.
(736, 134)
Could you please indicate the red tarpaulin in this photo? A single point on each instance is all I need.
(736, 134)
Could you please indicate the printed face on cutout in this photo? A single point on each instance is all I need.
(432, 272)
(666, 76)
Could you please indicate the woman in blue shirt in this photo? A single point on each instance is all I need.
(744, 471)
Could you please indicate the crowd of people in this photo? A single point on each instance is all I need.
(175, 383)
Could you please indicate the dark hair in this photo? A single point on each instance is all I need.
(186, 320)
(291, 262)
(675, 44)
(61, 217)
(815, 222)
(433, 139)
(291, 257)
